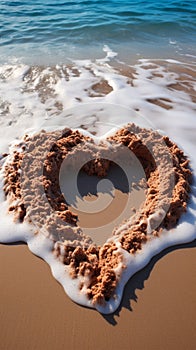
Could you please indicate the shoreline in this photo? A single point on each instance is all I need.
(152, 92)
(126, 52)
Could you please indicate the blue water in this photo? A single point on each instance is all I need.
(57, 28)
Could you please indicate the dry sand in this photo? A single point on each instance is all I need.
(36, 314)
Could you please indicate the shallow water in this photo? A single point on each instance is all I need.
(98, 95)
(43, 31)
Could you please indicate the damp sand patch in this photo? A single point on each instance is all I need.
(103, 202)
(94, 275)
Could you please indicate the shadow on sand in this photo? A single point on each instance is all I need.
(137, 281)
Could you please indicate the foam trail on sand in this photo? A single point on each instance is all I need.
(97, 96)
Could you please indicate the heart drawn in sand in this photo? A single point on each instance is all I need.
(43, 187)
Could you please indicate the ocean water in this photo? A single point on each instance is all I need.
(97, 65)
(45, 31)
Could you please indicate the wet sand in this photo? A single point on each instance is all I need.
(117, 201)
(158, 309)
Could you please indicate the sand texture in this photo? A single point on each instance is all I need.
(158, 310)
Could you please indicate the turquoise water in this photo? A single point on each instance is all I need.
(79, 28)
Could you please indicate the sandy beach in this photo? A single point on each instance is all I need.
(158, 310)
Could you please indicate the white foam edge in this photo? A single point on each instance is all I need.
(136, 262)
(41, 246)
